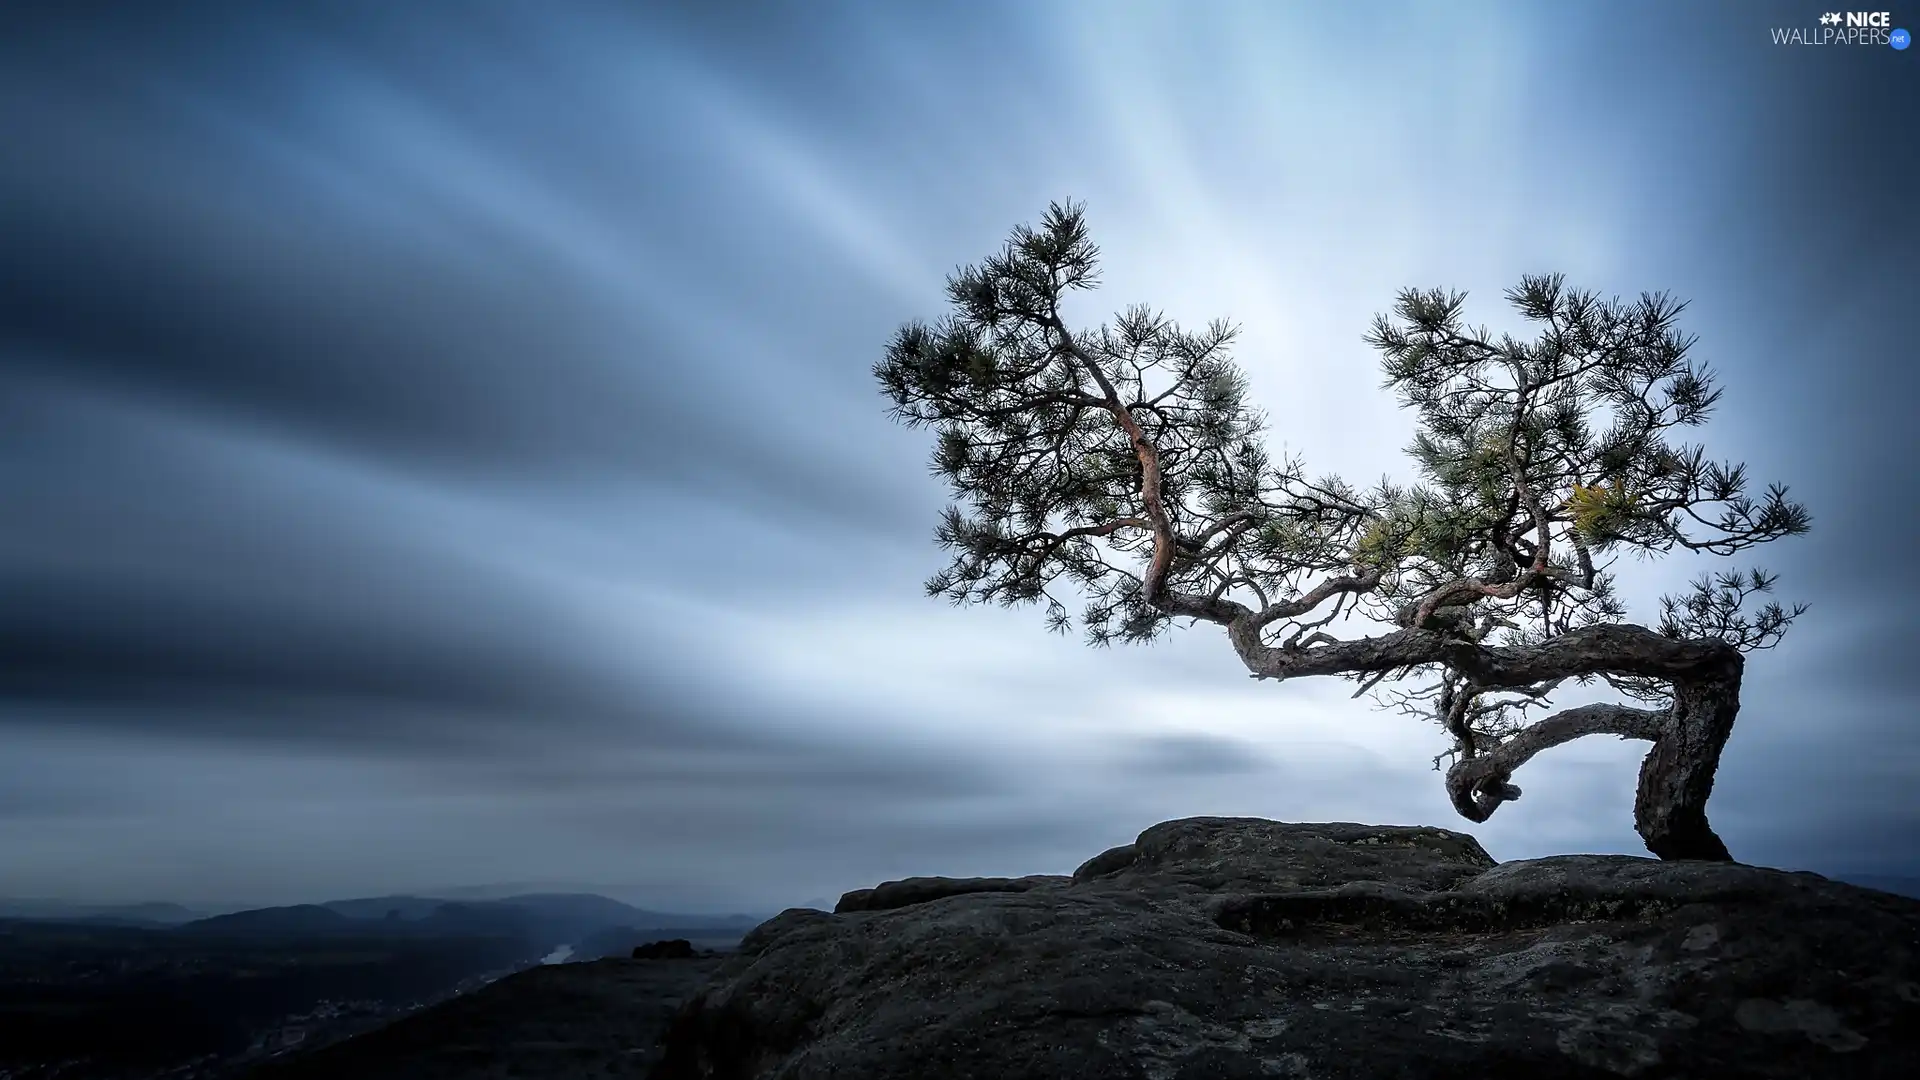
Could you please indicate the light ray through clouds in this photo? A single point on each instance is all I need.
(443, 450)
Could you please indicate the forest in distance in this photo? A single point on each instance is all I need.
(210, 997)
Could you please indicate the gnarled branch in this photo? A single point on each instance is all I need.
(1477, 785)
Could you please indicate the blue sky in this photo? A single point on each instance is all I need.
(440, 446)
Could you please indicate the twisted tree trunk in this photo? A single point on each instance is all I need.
(1670, 808)
(1676, 779)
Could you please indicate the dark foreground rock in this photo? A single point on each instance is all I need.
(1213, 949)
(600, 1019)
(673, 949)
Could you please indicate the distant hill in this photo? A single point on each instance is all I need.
(1893, 883)
(590, 911)
(582, 910)
(297, 921)
(378, 907)
(550, 919)
(444, 920)
(560, 911)
(517, 890)
(148, 914)
(547, 919)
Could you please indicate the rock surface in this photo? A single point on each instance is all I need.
(898, 894)
(1224, 948)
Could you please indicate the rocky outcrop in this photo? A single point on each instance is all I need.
(1226, 948)
(898, 894)
(675, 949)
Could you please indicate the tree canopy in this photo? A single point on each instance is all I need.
(1117, 477)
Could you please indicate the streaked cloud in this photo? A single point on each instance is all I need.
(439, 447)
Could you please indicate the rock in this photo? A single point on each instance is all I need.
(1112, 860)
(1224, 948)
(898, 894)
(677, 949)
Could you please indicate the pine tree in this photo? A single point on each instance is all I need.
(1122, 469)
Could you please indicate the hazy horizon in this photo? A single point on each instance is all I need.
(1909, 884)
(440, 442)
(453, 893)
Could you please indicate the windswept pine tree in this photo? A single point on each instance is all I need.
(1121, 470)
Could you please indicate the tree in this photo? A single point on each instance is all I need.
(1123, 466)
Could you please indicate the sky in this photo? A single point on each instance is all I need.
(439, 446)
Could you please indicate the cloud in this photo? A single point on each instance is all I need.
(1192, 755)
(445, 450)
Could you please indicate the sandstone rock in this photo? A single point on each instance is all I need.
(897, 894)
(1224, 948)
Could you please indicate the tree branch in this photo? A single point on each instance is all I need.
(1166, 542)
(1477, 785)
(1618, 648)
